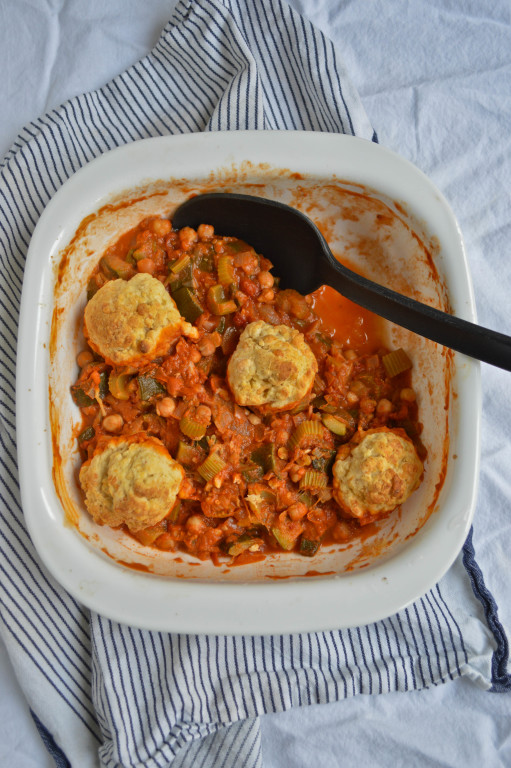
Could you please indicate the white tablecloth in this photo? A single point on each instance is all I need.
(435, 79)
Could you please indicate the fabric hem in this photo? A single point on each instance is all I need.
(49, 742)
(500, 677)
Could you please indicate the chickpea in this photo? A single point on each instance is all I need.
(367, 405)
(187, 237)
(196, 524)
(174, 385)
(84, 358)
(384, 407)
(205, 231)
(342, 531)
(203, 413)
(241, 298)
(358, 388)
(113, 423)
(191, 332)
(350, 354)
(265, 279)
(248, 262)
(161, 227)
(283, 453)
(297, 511)
(195, 355)
(209, 343)
(304, 461)
(166, 407)
(352, 398)
(267, 295)
(296, 473)
(407, 394)
(146, 265)
(206, 347)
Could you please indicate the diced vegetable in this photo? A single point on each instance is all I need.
(206, 264)
(92, 288)
(87, 434)
(217, 302)
(314, 479)
(114, 266)
(148, 536)
(284, 540)
(137, 254)
(306, 498)
(308, 547)
(230, 340)
(182, 278)
(302, 406)
(265, 456)
(118, 385)
(187, 303)
(212, 466)
(257, 501)
(180, 264)
(244, 542)
(221, 325)
(304, 430)
(239, 246)
(334, 424)
(188, 455)
(174, 512)
(252, 472)
(324, 462)
(396, 362)
(148, 387)
(81, 399)
(192, 428)
(103, 384)
(225, 270)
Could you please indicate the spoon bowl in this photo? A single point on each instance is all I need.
(303, 260)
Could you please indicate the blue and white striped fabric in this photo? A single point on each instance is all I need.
(107, 694)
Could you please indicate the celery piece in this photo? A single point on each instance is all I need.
(335, 425)
(217, 302)
(314, 479)
(304, 430)
(396, 362)
(191, 428)
(211, 466)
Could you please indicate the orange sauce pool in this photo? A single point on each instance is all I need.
(352, 326)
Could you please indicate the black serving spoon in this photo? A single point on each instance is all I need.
(303, 261)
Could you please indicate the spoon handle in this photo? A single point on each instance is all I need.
(470, 339)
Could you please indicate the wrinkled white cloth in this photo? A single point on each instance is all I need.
(432, 83)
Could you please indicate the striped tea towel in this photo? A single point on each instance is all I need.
(107, 694)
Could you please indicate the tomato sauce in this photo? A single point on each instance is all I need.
(255, 481)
